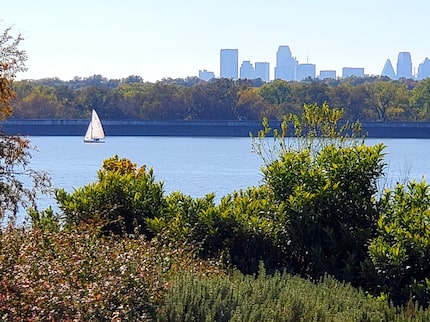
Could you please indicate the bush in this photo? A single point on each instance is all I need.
(120, 201)
(279, 297)
(242, 230)
(73, 275)
(401, 251)
(327, 184)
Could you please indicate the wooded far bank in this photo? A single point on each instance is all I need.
(378, 99)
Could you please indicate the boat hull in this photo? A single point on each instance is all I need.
(94, 141)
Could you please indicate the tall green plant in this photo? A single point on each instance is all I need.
(326, 177)
(120, 201)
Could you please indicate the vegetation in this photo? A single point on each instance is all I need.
(278, 297)
(119, 202)
(51, 274)
(364, 99)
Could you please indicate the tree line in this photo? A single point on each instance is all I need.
(364, 99)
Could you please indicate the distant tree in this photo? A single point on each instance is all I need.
(132, 79)
(250, 105)
(14, 150)
(420, 101)
(389, 99)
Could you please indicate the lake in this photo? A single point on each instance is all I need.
(193, 165)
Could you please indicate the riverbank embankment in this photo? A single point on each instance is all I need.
(192, 128)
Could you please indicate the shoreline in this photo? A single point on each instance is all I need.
(192, 128)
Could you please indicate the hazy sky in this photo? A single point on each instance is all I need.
(173, 38)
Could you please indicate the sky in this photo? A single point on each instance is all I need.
(175, 39)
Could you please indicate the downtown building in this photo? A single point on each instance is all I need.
(424, 69)
(229, 63)
(404, 65)
(388, 70)
(262, 71)
(247, 70)
(286, 64)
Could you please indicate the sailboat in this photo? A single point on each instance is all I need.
(95, 133)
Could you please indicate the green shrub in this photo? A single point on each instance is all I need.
(120, 201)
(401, 251)
(279, 297)
(242, 230)
(328, 185)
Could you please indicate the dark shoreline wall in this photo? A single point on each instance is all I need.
(192, 128)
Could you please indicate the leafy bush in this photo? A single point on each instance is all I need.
(122, 198)
(242, 230)
(327, 184)
(401, 251)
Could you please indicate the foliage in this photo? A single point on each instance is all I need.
(279, 297)
(19, 184)
(327, 185)
(72, 275)
(120, 201)
(401, 251)
(364, 99)
(242, 230)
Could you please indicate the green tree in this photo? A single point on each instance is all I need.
(15, 151)
(389, 99)
(420, 101)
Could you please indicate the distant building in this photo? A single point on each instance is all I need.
(262, 71)
(352, 71)
(424, 69)
(285, 64)
(304, 71)
(404, 65)
(229, 62)
(388, 70)
(206, 75)
(247, 70)
(327, 74)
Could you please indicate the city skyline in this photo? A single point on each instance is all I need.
(290, 69)
(170, 39)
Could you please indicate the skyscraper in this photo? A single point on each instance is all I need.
(404, 65)
(229, 62)
(262, 71)
(388, 70)
(285, 64)
(247, 70)
(424, 69)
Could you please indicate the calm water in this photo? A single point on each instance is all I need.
(194, 166)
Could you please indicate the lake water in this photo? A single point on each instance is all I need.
(193, 165)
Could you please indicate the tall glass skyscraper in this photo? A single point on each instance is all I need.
(285, 64)
(388, 70)
(404, 65)
(424, 69)
(229, 63)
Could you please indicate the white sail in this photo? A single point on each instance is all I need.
(95, 129)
